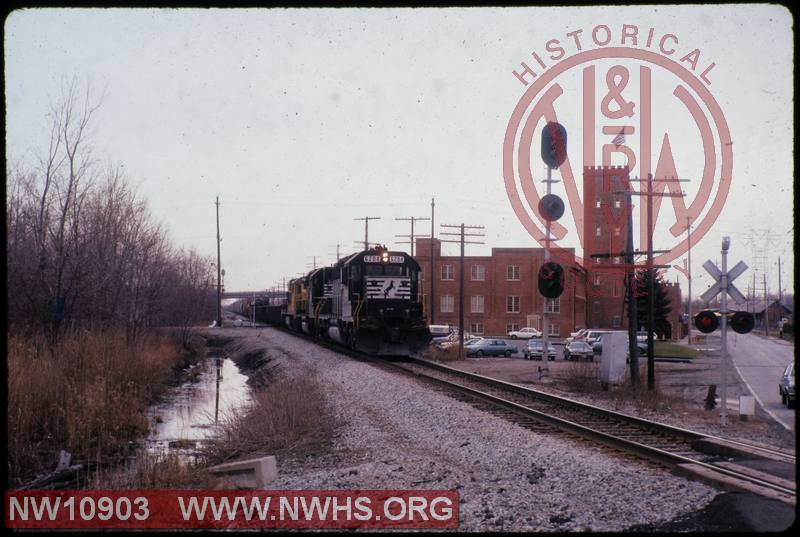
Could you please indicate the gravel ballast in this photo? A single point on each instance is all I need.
(395, 432)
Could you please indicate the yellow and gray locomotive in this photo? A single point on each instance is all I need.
(369, 301)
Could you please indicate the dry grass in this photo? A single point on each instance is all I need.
(288, 415)
(150, 472)
(584, 378)
(88, 395)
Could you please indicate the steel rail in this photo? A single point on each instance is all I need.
(651, 425)
(654, 454)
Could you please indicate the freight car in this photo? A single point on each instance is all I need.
(367, 301)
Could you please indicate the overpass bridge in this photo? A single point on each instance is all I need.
(272, 295)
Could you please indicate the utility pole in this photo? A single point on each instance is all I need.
(412, 219)
(219, 276)
(431, 307)
(766, 307)
(633, 323)
(338, 257)
(780, 289)
(651, 379)
(366, 220)
(689, 277)
(461, 234)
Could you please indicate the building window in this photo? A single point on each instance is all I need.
(421, 273)
(512, 304)
(616, 289)
(617, 204)
(617, 260)
(553, 329)
(616, 232)
(597, 260)
(446, 305)
(596, 280)
(597, 231)
(476, 303)
(478, 273)
(447, 272)
(476, 328)
(511, 327)
(595, 307)
(553, 305)
(597, 203)
(616, 322)
(512, 272)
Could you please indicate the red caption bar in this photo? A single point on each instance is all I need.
(302, 509)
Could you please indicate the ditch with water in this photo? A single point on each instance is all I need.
(191, 412)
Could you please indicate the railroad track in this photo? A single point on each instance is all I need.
(688, 453)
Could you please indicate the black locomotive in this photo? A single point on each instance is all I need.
(369, 301)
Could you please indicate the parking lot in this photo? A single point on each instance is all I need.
(520, 344)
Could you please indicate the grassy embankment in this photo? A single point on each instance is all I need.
(88, 395)
(673, 350)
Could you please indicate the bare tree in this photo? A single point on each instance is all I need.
(83, 247)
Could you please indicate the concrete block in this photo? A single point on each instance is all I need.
(248, 474)
(747, 405)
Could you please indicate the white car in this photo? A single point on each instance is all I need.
(577, 336)
(525, 333)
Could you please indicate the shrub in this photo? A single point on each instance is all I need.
(290, 414)
(88, 395)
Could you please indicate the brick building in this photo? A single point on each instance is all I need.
(500, 291)
(605, 230)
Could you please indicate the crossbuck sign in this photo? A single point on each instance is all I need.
(723, 281)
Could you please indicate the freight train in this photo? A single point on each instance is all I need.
(369, 301)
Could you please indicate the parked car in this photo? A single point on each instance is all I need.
(490, 347)
(597, 346)
(593, 335)
(525, 333)
(578, 350)
(786, 387)
(642, 336)
(577, 336)
(533, 350)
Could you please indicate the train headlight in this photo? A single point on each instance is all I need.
(385, 257)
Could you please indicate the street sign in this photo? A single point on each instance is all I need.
(717, 274)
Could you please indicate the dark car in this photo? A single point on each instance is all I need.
(578, 350)
(490, 347)
(533, 350)
(786, 387)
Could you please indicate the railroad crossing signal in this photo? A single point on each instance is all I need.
(706, 321)
(551, 280)
(554, 144)
(717, 274)
(551, 207)
(742, 322)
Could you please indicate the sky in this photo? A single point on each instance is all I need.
(302, 120)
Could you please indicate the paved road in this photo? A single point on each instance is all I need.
(760, 363)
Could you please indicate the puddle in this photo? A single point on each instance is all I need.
(185, 418)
